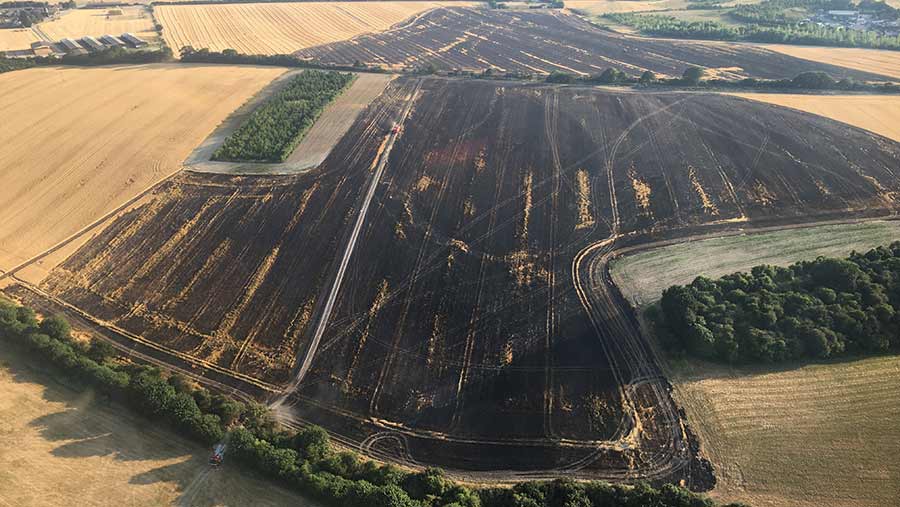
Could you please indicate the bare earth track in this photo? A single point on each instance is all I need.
(466, 332)
(540, 42)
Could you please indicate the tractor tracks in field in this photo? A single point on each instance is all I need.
(333, 292)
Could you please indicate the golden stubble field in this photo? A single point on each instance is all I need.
(279, 28)
(96, 22)
(78, 23)
(876, 113)
(80, 142)
(886, 63)
(63, 447)
(813, 435)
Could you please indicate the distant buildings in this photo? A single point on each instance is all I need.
(82, 46)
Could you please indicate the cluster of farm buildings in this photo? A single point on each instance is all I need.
(82, 46)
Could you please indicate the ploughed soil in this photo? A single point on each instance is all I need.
(458, 338)
(541, 42)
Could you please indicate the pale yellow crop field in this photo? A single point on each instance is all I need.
(799, 435)
(16, 38)
(278, 28)
(78, 23)
(64, 447)
(876, 113)
(80, 142)
(820, 435)
(600, 7)
(877, 61)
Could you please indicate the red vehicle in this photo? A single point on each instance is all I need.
(395, 129)
(218, 455)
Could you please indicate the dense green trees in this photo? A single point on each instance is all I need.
(274, 129)
(812, 309)
(669, 26)
(303, 460)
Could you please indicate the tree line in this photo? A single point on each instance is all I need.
(819, 309)
(694, 77)
(303, 460)
(111, 56)
(669, 26)
(273, 130)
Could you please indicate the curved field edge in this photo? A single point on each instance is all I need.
(876, 113)
(651, 124)
(779, 436)
(107, 137)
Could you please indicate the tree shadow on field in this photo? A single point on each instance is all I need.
(85, 425)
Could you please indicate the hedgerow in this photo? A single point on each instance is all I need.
(303, 460)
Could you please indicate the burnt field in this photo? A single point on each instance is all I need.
(227, 268)
(458, 337)
(542, 42)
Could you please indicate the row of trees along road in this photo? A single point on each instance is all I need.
(303, 460)
(812, 309)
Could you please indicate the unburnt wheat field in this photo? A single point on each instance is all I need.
(107, 135)
(277, 28)
(458, 337)
(541, 42)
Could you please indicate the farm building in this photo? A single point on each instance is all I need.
(112, 40)
(133, 41)
(72, 47)
(92, 44)
(41, 48)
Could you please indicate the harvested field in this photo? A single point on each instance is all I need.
(277, 28)
(16, 38)
(457, 337)
(61, 447)
(78, 23)
(886, 63)
(107, 135)
(780, 437)
(877, 113)
(600, 7)
(643, 276)
(261, 245)
(543, 42)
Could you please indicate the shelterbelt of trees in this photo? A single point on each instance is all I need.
(770, 21)
(272, 132)
(109, 57)
(303, 460)
(812, 309)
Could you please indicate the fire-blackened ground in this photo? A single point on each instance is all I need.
(459, 322)
(225, 268)
(542, 42)
(459, 337)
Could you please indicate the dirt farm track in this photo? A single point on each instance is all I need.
(472, 323)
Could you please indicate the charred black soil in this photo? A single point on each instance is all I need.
(459, 337)
(540, 42)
